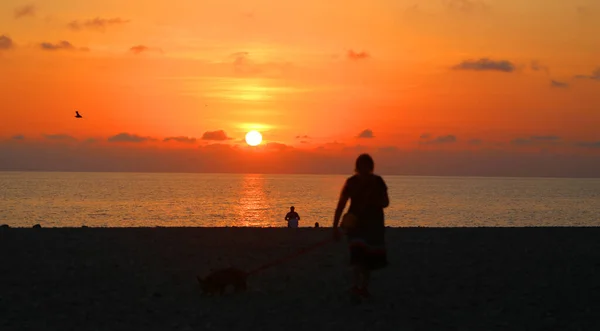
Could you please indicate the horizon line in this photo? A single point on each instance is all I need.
(293, 174)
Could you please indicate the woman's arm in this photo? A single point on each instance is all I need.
(341, 205)
(385, 201)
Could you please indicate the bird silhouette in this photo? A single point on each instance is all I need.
(77, 115)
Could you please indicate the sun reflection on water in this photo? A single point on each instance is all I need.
(252, 209)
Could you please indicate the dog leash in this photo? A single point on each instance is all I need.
(290, 256)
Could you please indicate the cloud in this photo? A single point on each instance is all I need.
(141, 49)
(485, 64)
(244, 65)
(589, 144)
(557, 84)
(352, 55)
(218, 135)
(466, 6)
(585, 13)
(594, 76)
(388, 149)
(545, 138)
(356, 149)
(96, 23)
(582, 10)
(277, 146)
(536, 140)
(224, 158)
(330, 146)
(23, 11)
(425, 136)
(536, 66)
(447, 139)
(366, 134)
(303, 137)
(131, 138)
(138, 49)
(61, 45)
(444, 139)
(59, 137)
(475, 142)
(18, 137)
(181, 139)
(6, 43)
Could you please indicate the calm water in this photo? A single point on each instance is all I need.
(135, 199)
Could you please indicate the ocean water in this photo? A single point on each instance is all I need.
(55, 199)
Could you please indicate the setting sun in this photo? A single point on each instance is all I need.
(253, 138)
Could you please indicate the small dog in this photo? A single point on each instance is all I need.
(218, 281)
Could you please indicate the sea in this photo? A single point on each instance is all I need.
(55, 199)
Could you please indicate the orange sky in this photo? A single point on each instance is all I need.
(305, 73)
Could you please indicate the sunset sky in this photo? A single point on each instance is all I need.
(432, 87)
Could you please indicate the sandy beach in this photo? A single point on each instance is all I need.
(438, 279)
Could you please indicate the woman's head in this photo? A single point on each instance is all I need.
(364, 164)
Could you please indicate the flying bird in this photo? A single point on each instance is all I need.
(77, 115)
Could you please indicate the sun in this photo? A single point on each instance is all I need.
(253, 138)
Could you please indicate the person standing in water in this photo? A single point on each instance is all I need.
(364, 222)
(292, 218)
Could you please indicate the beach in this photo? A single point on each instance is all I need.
(437, 279)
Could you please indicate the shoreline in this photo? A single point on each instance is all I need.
(3, 226)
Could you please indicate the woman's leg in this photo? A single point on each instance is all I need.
(357, 276)
(365, 277)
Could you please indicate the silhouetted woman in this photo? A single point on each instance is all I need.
(364, 222)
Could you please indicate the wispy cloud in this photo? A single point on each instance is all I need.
(366, 134)
(181, 139)
(589, 144)
(537, 66)
(18, 137)
(6, 43)
(485, 64)
(59, 137)
(218, 135)
(594, 76)
(97, 23)
(141, 49)
(277, 146)
(558, 84)
(537, 140)
(447, 139)
(388, 149)
(466, 6)
(24, 11)
(362, 55)
(61, 45)
(244, 65)
(127, 137)
(586, 13)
